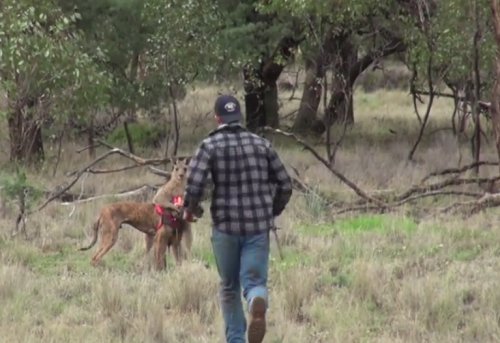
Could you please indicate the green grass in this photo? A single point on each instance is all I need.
(362, 278)
(364, 223)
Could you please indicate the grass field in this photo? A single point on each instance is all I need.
(360, 278)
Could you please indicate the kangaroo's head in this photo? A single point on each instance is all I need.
(179, 171)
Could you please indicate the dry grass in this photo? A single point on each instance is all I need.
(366, 278)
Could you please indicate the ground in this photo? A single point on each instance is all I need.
(395, 277)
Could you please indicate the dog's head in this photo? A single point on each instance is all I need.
(180, 169)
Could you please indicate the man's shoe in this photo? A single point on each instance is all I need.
(257, 326)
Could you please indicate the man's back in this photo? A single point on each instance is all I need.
(246, 172)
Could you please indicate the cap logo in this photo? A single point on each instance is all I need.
(230, 106)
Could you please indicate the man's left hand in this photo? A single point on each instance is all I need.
(187, 216)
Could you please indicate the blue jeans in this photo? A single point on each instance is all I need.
(242, 262)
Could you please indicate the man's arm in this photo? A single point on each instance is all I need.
(279, 176)
(199, 168)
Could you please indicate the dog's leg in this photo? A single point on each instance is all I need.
(149, 242)
(177, 251)
(149, 239)
(161, 248)
(108, 239)
(187, 239)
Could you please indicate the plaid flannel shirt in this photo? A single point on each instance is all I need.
(250, 184)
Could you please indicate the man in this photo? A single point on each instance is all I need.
(251, 187)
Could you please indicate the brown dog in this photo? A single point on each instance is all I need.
(162, 223)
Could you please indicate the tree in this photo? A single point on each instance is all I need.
(152, 49)
(452, 46)
(260, 43)
(342, 37)
(43, 72)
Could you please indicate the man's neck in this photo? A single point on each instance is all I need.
(221, 125)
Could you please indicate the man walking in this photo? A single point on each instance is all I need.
(251, 188)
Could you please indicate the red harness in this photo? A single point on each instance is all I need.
(173, 221)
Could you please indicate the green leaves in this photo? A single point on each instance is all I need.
(13, 186)
(40, 53)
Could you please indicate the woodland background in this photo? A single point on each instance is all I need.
(386, 113)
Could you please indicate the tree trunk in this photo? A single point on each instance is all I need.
(316, 67)
(261, 101)
(311, 97)
(254, 99)
(25, 135)
(15, 122)
(346, 69)
(495, 98)
(25, 131)
(261, 91)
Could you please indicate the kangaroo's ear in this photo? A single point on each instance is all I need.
(187, 160)
(173, 160)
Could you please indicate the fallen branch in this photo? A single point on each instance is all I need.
(139, 161)
(488, 200)
(122, 194)
(62, 189)
(446, 183)
(459, 170)
(436, 193)
(334, 171)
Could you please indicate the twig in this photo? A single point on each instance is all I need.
(87, 147)
(278, 243)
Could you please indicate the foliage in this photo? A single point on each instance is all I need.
(40, 57)
(145, 135)
(448, 35)
(148, 46)
(16, 186)
(249, 33)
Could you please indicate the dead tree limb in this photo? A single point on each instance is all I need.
(474, 206)
(62, 189)
(458, 170)
(122, 194)
(442, 184)
(436, 193)
(334, 171)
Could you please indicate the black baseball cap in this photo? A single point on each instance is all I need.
(228, 109)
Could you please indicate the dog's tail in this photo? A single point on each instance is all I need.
(95, 228)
